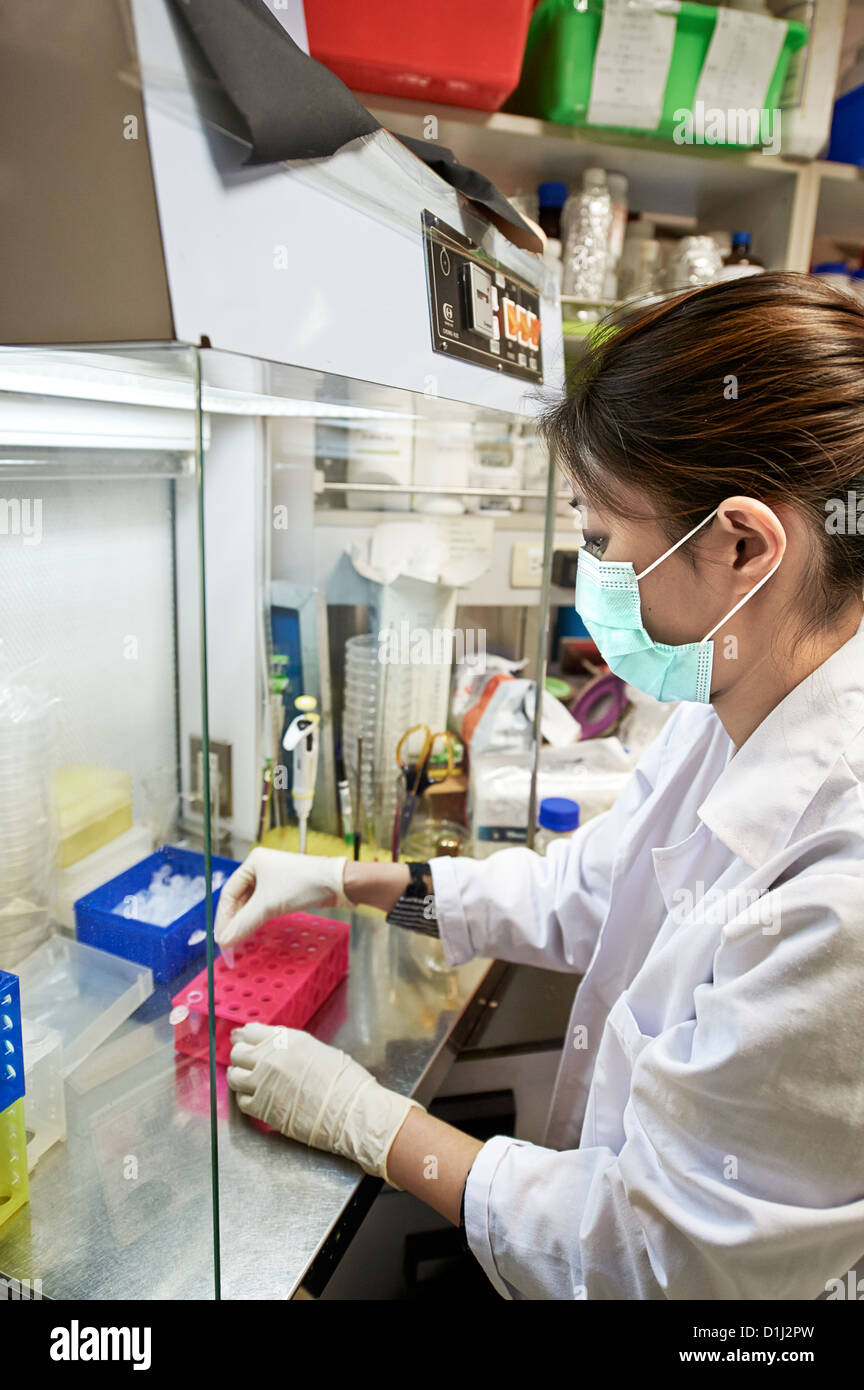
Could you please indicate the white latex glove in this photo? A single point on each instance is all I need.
(271, 882)
(316, 1094)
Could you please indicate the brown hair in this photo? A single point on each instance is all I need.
(752, 386)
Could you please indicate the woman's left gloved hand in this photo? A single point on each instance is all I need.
(316, 1094)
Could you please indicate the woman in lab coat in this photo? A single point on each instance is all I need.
(707, 1125)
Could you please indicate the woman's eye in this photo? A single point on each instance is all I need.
(596, 544)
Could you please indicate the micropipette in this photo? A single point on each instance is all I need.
(301, 739)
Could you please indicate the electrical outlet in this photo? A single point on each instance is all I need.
(220, 769)
(526, 565)
(526, 560)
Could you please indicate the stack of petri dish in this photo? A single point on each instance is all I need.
(400, 697)
(359, 720)
(383, 699)
(28, 832)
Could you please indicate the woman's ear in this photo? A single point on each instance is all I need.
(752, 536)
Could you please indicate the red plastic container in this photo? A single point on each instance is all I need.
(450, 52)
(281, 975)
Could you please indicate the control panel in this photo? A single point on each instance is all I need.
(479, 310)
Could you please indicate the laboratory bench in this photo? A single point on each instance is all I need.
(116, 1212)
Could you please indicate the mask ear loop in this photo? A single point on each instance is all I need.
(677, 543)
(741, 603)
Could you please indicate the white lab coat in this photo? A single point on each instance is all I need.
(706, 1133)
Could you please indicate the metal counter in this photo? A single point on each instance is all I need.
(123, 1209)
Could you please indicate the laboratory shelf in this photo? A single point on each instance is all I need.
(514, 521)
(779, 199)
(515, 148)
(840, 208)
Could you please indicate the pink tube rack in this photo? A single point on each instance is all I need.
(281, 975)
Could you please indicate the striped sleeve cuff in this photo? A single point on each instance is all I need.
(415, 910)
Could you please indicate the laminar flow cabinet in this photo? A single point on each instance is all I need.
(250, 421)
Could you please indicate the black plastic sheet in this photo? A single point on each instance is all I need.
(292, 107)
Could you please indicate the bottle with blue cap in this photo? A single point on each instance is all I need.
(551, 197)
(558, 818)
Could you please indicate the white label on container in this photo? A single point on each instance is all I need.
(631, 64)
(469, 545)
(739, 64)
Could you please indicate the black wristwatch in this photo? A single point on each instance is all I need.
(419, 882)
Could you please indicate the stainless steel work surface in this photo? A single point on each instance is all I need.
(122, 1209)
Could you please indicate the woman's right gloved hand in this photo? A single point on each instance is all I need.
(271, 882)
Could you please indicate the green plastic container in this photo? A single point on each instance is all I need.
(559, 63)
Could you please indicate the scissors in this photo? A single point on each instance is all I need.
(418, 775)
